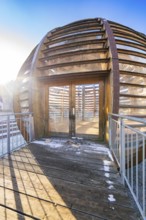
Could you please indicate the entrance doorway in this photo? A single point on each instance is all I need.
(76, 110)
(87, 109)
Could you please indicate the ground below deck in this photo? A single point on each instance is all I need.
(63, 179)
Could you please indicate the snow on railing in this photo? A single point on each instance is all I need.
(127, 140)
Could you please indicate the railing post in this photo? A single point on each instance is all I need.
(122, 150)
(8, 134)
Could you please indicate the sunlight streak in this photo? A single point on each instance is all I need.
(12, 56)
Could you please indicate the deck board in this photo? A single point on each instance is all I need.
(40, 182)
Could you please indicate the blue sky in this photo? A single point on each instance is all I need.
(24, 23)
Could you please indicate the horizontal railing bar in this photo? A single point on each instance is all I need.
(129, 118)
(23, 113)
(135, 130)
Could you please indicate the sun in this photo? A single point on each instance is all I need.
(12, 57)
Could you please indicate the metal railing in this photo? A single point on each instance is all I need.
(127, 140)
(16, 130)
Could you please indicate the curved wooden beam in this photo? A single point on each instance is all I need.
(115, 66)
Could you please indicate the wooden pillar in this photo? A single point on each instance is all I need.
(72, 110)
(112, 81)
(83, 103)
(101, 110)
(62, 104)
(94, 104)
(114, 65)
(46, 111)
(39, 108)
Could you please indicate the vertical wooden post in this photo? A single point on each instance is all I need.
(39, 108)
(46, 111)
(83, 102)
(112, 82)
(72, 111)
(115, 73)
(62, 104)
(101, 109)
(94, 104)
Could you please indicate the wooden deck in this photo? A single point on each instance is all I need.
(76, 181)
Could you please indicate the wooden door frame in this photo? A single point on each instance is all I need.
(101, 134)
(72, 127)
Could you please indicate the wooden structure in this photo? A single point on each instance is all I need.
(79, 73)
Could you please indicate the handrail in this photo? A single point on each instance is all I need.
(27, 113)
(129, 118)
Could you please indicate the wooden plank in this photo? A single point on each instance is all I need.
(122, 72)
(62, 31)
(76, 78)
(73, 63)
(131, 62)
(9, 214)
(31, 206)
(47, 184)
(75, 44)
(72, 37)
(131, 44)
(101, 110)
(133, 53)
(129, 36)
(132, 96)
(133, 106)
(74, 53)
(133, 85)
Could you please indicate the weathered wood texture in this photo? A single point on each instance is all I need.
(84, 52)
(76, 181)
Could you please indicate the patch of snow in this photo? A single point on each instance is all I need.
(51, 144)
(40, 142)
(88, 151)
(107, 175)
(110, 182)
(111, 198)
(106, 162)
(55, 145)
(78, 152)
(106, 168)
(111, 187)
(110, 155)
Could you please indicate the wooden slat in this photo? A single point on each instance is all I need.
(133, 53)
(129, 36)
(133, 106)
(118, 27)
(132, 96)
(133, 73)
(131, 62)
(80, 77)
(75, 44)
(131, 44)
(74, 53)
(72, 37)
(70, 29)
(82, 62)
(132, 84)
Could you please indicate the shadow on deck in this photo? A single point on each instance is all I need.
(63, 179)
